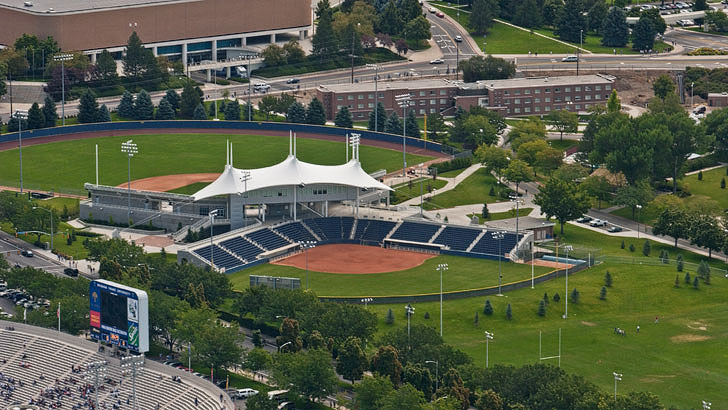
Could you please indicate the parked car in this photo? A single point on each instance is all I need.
(584, 219)
(570, 59)
(597, 222)
(244, 393)
(440, 14)
(437, 61)
(71, 272)
(615, 229)
(433, 11)
(293, 81)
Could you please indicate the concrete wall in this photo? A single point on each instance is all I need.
(168, 221)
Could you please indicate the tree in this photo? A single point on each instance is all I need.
(608, 279)
(707, 232)
(679, 264)
(49, 112)
(343, 118)
(486, 68)
(518, 171)
(143, 107)
(673, 222)
(267, 105)
(380, 122)
(687, 278)
(696, 282)
(646, 248)
(488, 308)
(481, 17)
(103, 114)
(700, 5)
(633, 195)
(393, 124)
(575, 296)
(35, 117)
(597, 187)
(306, 373)
(562, 200)
(351, 360)
(613, 103)
(133, 59)
(370, 391)
(293, 52)
(296, 113)
(257, 359)
(656, 21)
(528, 14)
(489, 400)
(390, 317)
(232, 111)
(413, 128)
(541, 308)
(525, 131)
(126, 106)
(88, 107)
(435, 125)
(643, 35)
(289, 333)
(663, 86)
(418, 29)
(452, 386)
(199, 113)
(191, 98)
(563, 121)
(390, 19)
(406, 397)
(106, 66)
(172, 98)
(703, 269)
(529, 151)
(570, 22)
(260, 402)
(165, 110)
(324, 40)
(615, 31)
(273, 55)
(603, 293)
(509, 312)
(386, 363)
(597, 16)
(495, 159)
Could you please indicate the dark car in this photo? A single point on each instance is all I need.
(27, 253)
(293, 81)
(71, 272)
(584, 219)
(614, 229)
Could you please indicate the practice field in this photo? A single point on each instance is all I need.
(65, 166)
(463, 273)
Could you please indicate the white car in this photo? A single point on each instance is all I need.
(570, 59)
(432, 10)
(597, 222)
(245, 393)
(459, 39)
(437, 61)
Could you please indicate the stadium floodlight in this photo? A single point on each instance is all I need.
(50, 210)
(437, 372)
(639, 211)
(212, 216)
(706, 405)
(617, 377)
(306, 245)
(376, 68)
(410, 311)
(365, 301)
(499, 235)
(62, 58)
(20, 116)
(567, 248)
(95, 374)
(440, 268)
(354, 140)
(132, 365)
(130, 149)
(488, 337)
(404, 101)
(244, 178)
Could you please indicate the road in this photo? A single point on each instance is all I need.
(10, 248)
(692, 40)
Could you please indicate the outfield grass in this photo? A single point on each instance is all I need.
(65, 166)
(473, 190)
(463, 273)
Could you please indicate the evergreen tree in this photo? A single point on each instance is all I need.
(88, 107)
(615, 31)
(613, 103)
(143, 107)
(390, 20)
(476, 320)
(13, 124)
(50, 114)
(315, 113)
(165, 110)
(191, 98)
(646, 248)
(571, 22)
(679, 265)
(232, 111)
(324, 40)
(413, 128)
(390, 317)
(597, 15)
(343, 118)
(643, 36)
(700, 175)
(541, 308)
(622, 245)
(173, 98)
(103, 114)
(509, 312)
(106, 67)
(557, 298)
(545, 298)
(488, 308)
(608, 279)
(703, 269)
(603, 293)
(381, 118)
(394, 124)
(706, 278)
(212, 110)
(485, 213)
(528, 14)
(296, 113)
(134, 57)
(575, 296)
(687, 278)
(631, 247)
(35, 117)
(696, 282)
(199, 113)
(677, 281)
(126, 106)
(483, 12)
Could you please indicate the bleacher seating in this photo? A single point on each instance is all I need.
(372, 230)
(295, 232)
(457, 238)
(415, 232)
(332, 228)
(488, 245)
(222, 257)
(268, 239)
(242, 248)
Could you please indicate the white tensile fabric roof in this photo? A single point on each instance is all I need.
(289, 172)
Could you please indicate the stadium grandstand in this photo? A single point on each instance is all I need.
(48, 369)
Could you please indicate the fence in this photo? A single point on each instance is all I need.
(687, 266)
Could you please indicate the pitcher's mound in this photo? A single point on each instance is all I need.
(355, 259)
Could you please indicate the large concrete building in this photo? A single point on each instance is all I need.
(513, 97)
(180, 29)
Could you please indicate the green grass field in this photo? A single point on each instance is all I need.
(563, 145)
(502, 215)
(463, 273)
(189, 189)
(473, 190)
(65, 166)
(404, 192)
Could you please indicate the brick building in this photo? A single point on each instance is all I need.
(718, 99)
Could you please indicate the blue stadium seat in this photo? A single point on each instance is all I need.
(295, 232)
(332, 228)
(222, 257)
(458, 239)
(415, 232)
(242, 248)
(489, 246)
(372, 230)
(267, 239)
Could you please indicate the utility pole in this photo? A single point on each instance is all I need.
(133, 365)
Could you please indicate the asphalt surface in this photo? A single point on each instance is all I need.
(692, 40)
(10, 248)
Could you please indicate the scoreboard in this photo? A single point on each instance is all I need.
(119, 315)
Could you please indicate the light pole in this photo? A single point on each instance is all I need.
(692, 94)
(617, 377)
(437, 373)
(212, 216)
(306, 245)
(567, 248)
(706, 405)
(404, 101)
(20, 116)
(353, 33)
(488, 337)
(133, 365)
(578, 52)
(639, 212)
(376, 69)
(499, 235)
(96, 373)
(441, 267)
(245, 178)
(50, 211)
(62, 58)
(517, 200)
(410, 311)
(129, 148)
(365, 301)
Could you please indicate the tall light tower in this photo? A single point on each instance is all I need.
(95, 374)
(130, 149)
(20, 116)
(437, 372)
(499, 235)
(410, 311)
(488, 337)
(376, 69)
(567, 248)
(366, 301)
(441, 267)
(212, 216)
(706, 405)
(62, 58)
(306, 245)
(132, 365)
(245, 177)
(617, 377)
(404, 101)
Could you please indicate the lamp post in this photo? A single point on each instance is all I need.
(50, 211)
(639, 211)
(499, 235)
(306, 245)
(95, 374)
(578, 52)
(517, 200)
(20, 116)
(692, 94)
(353, 34)
(404, 101)
(441, 267)
(133, 365)
(62, 58)
(617, 377)
(706, 405)
(488, 337)
(567, 248)
(212, 216)
(129, 148)
(245, 177)
(365, 301)
(437, 373)
(376, 69)
(410, 311)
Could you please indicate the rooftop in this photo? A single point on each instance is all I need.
(386, 85)
(527, 82)
(76, 6)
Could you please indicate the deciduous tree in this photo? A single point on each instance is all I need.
(562, 200)
(351, 360)
(615, 31)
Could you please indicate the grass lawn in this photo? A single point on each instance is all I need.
(189, 189)
(464, 273)
(76, 249)
(502, 215)
(451, 174)
(404, 192)
(473, 190)
(682, 358)
(171, 154)
(563, 145)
